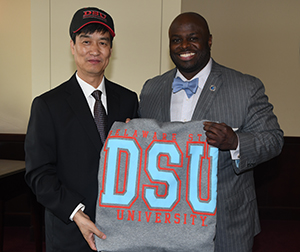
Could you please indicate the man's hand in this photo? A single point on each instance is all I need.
(220, 135)
(87, 228)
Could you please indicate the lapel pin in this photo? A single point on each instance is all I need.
(213, 88)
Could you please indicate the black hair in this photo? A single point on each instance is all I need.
(91, 28)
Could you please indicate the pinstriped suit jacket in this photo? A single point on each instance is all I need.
(238, 100)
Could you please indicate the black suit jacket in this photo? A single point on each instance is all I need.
(62, 156)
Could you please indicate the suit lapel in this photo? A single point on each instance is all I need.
(209, 92)
(113, 103)
(166, 94)
(81, 109)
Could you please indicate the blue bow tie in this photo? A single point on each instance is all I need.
(190, 87)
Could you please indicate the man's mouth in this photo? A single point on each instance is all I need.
(94, 61)
(186, 56)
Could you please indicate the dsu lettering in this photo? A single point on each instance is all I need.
(87, 14)
(125, 153)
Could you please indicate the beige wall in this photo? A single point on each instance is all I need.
(257, 37)
(261, 38)
(35, 52)
(15, 65)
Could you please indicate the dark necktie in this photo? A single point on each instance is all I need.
(190, 87)
(100, 115)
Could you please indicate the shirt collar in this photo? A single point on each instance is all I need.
(202, 75)
(89, 89)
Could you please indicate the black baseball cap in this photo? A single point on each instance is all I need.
(91, 15)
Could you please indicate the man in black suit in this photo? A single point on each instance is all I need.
(63, 143)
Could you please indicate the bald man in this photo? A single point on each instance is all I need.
(241, 123)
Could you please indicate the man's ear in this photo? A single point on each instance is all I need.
(72, 45)
(210, 41)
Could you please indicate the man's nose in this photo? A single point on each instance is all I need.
(185, 43)
(95, 49)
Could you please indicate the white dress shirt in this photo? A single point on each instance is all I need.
(182, 107)
(89, 89)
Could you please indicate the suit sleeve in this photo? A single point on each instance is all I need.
(260, 137)
(135, 106)
(41, 164)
